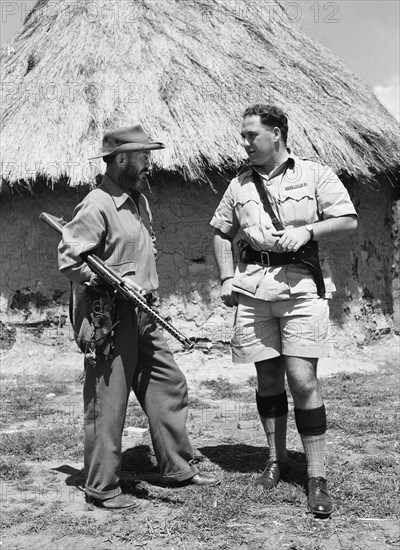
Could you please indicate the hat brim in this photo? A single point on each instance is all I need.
(148, 146)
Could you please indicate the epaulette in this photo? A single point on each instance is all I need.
(244, 169)
(315, 159)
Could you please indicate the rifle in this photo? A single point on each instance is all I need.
(129, 291)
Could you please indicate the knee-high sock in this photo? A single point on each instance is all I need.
(273, 414)
(311, 425)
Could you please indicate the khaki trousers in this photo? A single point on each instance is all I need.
(142, 361)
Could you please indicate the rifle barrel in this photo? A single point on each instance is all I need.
(109, 276)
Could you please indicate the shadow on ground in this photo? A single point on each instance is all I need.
(138, 465)
(249, 459)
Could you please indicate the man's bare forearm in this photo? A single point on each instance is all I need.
(223, 255)
(334, 229)
(331, 229)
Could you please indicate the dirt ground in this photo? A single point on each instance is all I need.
(57, 485)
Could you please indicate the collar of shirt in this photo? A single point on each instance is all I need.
(282, 168)
(119, 196)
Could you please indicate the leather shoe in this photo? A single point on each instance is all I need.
(274, 470)
(113, 503)
(204, 479)
(200, 480)
(319, 500)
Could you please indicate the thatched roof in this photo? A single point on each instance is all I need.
(186, 71)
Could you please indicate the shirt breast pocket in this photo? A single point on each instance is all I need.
(297, 205)
(247, 207)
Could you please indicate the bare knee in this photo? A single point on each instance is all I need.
(305, 391)
(303, 388)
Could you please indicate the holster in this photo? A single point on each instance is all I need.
(308, 255)
(93, 321)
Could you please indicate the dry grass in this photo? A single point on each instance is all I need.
(363, 463)
(26, 401)
(42, 469)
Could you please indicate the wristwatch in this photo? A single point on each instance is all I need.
(310, 230)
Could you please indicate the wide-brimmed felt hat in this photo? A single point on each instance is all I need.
(130, 138)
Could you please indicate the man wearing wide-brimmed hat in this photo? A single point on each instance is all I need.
(114, 222)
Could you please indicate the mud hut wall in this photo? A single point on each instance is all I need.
(30, 283)
(31, 286)
(363, 264)
(189, 286)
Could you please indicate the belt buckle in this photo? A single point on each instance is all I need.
(265, 263)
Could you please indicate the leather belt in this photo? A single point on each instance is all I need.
(267, 259)
(307, 255)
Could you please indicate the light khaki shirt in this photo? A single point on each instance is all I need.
(305, 192)
(108, 223)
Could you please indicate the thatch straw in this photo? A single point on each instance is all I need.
(186, 71)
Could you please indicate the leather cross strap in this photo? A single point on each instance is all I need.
(265, 201)
(307, 254)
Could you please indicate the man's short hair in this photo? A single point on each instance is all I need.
(270, 115)
(110, 159)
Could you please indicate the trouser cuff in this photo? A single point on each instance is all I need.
(183, 475)
(103, 495)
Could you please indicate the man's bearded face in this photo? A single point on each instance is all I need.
(133, 170)
(130, 177)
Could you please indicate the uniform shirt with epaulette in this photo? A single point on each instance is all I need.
(304, 193)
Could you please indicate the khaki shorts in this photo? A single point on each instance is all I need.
(298, 328)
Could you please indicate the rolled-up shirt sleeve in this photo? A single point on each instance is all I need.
(84, 233)
(224, 217)
(332, 196)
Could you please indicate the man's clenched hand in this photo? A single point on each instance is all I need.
(229, 297)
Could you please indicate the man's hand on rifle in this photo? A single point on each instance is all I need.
(96, 281)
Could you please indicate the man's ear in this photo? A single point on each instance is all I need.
(276, 133)
(120, 158)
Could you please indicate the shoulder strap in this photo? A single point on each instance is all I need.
(245, 168)
(264, 199)
(135, 194)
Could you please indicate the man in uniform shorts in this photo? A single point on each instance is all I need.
(274, 207)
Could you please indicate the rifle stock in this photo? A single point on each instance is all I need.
(129, 291)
